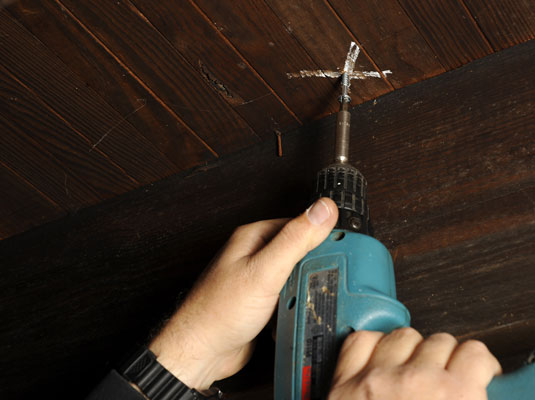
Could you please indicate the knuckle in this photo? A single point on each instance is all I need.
(241, 230)
(292, 232)
(407, 333)
(362, 337)
(443, 337)
(475, 347)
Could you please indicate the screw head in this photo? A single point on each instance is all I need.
(355, 223)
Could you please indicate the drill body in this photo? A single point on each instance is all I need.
(345, 284)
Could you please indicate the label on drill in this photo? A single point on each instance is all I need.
(319, 333)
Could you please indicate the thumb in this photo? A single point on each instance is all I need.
(274, 263)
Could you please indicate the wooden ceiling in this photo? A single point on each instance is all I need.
(101, 97)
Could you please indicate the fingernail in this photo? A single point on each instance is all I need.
(318, 212)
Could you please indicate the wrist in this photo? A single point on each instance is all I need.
(185, 361)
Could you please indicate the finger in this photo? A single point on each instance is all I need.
(473, 361)
(355, 354)
(249, 239)
(435, 350)
(273, 263)
(396, 348)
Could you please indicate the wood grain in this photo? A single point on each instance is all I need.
(83, 109)
(22, 207)
(304, 19)
(90, 177)
(504, 22)
(450, 166)
(390, 38)
(132, 39)
(101, 72)
(261, 37)
(219, 64)
(449, 29)
(22, 154)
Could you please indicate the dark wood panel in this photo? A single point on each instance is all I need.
(219, 64)
(127, 33)
(305, 19)
(37, 68)
(261, 37)
(91, 176)
(22, 207)
(100, 71)
(455, 210)
(22, 154)
(449, 29)
(504, 22)
(390, 38)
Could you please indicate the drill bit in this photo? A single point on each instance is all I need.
(343, 119)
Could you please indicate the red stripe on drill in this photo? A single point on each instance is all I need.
(306, 383)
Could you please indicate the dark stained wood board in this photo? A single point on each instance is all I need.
(304, 19)
(450, 165)
(101, 71)
(83, 109)
(216, 60)
(449, 29)
(261, 37)
(90, 177)
(22, 207)
(504, 23)
(390, 38)
(125, 31)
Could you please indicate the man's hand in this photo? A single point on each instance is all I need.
(211, 335)
(403, 366)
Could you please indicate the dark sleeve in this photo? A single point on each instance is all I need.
(114, 387)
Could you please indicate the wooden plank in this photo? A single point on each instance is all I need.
(450, 166)
(22, 154)
(83, 109)
(219, 64)
(304, 19)
(261, 37)
(504, 22)
(449, 29)
(134, 41)
(100, 71)
(91, 176)
(22, 207)
(390, 38)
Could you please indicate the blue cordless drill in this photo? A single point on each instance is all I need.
(346, 284)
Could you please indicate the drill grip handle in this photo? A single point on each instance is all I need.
(518, 385)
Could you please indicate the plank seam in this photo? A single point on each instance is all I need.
(210, 87)
(478, 27)
(446, 68)
(29, 184)
(129, 71)
(69, 125)
(246, 62)
(354, 37)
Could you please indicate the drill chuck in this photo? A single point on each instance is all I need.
(347, 187)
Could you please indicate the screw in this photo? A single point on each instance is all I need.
(355, 223)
